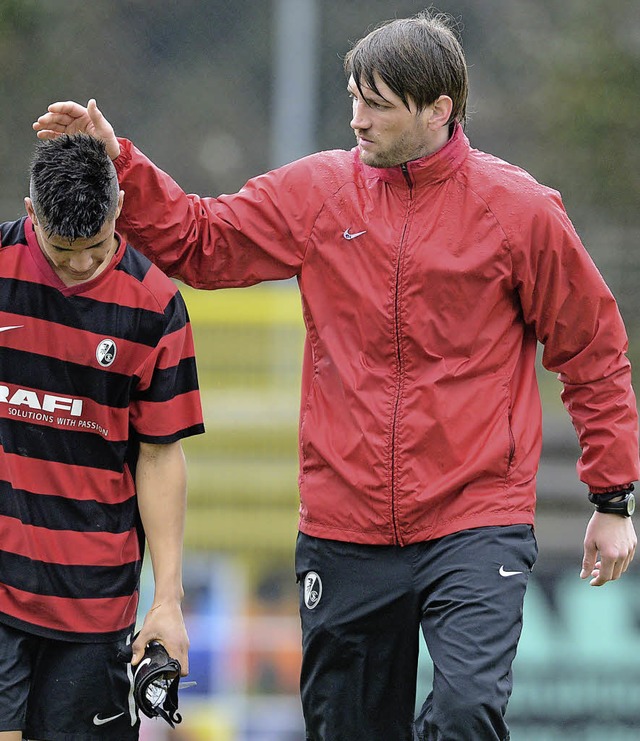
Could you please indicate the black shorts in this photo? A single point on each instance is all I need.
(62, 691)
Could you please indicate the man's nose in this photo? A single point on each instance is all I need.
(360, 118)
(80, 262)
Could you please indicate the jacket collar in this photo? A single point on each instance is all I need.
(433, 168)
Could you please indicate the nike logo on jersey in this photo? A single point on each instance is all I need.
(15, 326)
(348, 235)
(503, 572)
(98, 721)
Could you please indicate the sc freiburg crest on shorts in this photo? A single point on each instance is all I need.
(106, 352)
(312, 589)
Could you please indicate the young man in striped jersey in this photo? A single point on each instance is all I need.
(98, 386)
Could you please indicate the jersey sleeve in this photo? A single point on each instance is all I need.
(12, 232)
(166, 405)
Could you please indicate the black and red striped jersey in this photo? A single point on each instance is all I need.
(87, 372)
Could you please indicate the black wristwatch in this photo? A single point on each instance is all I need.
(625, 506)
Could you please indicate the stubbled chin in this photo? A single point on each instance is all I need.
(370, 160)
(366, 157)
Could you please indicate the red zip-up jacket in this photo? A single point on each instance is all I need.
(425, 288)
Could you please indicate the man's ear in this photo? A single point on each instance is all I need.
(120, 202)
(28, 204)
(441, 112)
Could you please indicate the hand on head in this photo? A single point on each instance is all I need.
(68, 117)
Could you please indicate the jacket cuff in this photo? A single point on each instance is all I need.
(609, 489)
(121, 162)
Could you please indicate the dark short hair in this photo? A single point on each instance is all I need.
(419, 58)
(73, 186)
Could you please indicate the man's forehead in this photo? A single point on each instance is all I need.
(76, 245)
(365, 88)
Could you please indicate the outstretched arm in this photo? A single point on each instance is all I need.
(161, 488)
(260, 233)
(69, 117)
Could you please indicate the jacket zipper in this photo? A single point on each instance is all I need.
(396, 534)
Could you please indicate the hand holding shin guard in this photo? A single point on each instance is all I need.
(156, 680)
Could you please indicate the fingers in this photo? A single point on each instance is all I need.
(176, 650)
(55, 121)
(608, 568)
(601, 574)
(61, 118)
(69, 107)
(180, 651)
(63, 112)
(50, 132)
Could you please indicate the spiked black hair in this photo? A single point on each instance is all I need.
(74, 186)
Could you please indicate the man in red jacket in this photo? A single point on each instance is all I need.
(428, 271)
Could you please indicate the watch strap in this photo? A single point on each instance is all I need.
(604, 497)
(621, 502)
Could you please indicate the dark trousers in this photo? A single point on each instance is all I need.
(362, 608)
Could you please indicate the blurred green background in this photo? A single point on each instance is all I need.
(217, 91)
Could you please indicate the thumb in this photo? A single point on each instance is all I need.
(588, 560)
(94, 112)
(138, 649)
(103, 129)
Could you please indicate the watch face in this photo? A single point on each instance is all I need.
(631, 504)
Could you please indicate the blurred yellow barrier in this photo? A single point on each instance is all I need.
(262, 304)
(243, 470)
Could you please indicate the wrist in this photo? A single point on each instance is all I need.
(167, 597)
(618, 502)
(124, 154)
(113, 149)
